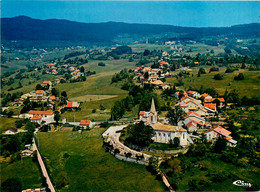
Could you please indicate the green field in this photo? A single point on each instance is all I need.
(248, 87)
(248, 174)
(96, 90)
(27, 171)
(6, 123)
(89, 167)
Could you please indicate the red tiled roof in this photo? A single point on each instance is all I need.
(185, 97)
(141, 112)
(189, 124)
(220, 130)
(190, 92)
(85, 122)
(192, 102)
(196, 122)
(39, 91)
(69, 104)
(12, 129)
(46, 82)
(204, 95)
(181, 104)
(52, 97)
(32, 112)
(163, 62)
(36, 117)
(222, 100)
(209, 100)
(163, 84)
(193, 113)
(210, 105)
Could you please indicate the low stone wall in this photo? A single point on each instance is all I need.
(138, 148)
(130, 159)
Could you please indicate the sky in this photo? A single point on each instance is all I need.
(179, 13)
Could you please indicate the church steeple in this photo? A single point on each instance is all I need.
(153, 110)
(152, 115)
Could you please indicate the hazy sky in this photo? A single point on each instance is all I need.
(181, 13)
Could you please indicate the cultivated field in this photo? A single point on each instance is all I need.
(89, 167)
(248, 87)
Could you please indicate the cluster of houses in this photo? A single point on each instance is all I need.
(195, 119)
(153, 76)
(53, 68)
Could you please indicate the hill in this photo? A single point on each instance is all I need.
(26, 28)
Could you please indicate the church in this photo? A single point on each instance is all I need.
(163, 133)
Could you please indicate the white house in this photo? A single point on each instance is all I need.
(39, 116)
(217, 131)
(10, 131)
(86, 124)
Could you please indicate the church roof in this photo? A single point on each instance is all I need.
(162, 127)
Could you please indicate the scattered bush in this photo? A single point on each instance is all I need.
(101, 64)
(240, 76)
(218, 77)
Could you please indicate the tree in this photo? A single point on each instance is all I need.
(38, 87)
(12, 185)
(101, 64)
(56, 116)
(218, 77)
(240, 76)
(82, 69)
(10, 114)
(198, 184)
(220, 145)
(55, 92)
(140, 134)
(175, 115)
(64, 94)
(202, 70)
(227, 50)
(146, 52)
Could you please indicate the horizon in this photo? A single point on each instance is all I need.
(176, 13)
(121, 22)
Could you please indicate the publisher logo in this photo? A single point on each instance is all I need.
(242, 183)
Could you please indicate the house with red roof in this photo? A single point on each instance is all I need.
(10, 131)
(165, 86)
(218, 131)
(72, 105)
(206, 96)
(143, 115)
(38, 96)
(183, 106)
(40, 116)
(86, 124)
(50, 65)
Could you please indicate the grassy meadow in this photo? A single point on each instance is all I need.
(248, 174)
(89, 167)
(27, 171)
(248, 87)
(96, 90)
(6, 123)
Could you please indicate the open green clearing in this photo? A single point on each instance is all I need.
(248, 174)
(248, 87)
(6, 123)
(89, 167)
(27, 171)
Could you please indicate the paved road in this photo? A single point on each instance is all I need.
(43, 168)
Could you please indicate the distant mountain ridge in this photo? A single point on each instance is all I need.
(26, 28)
